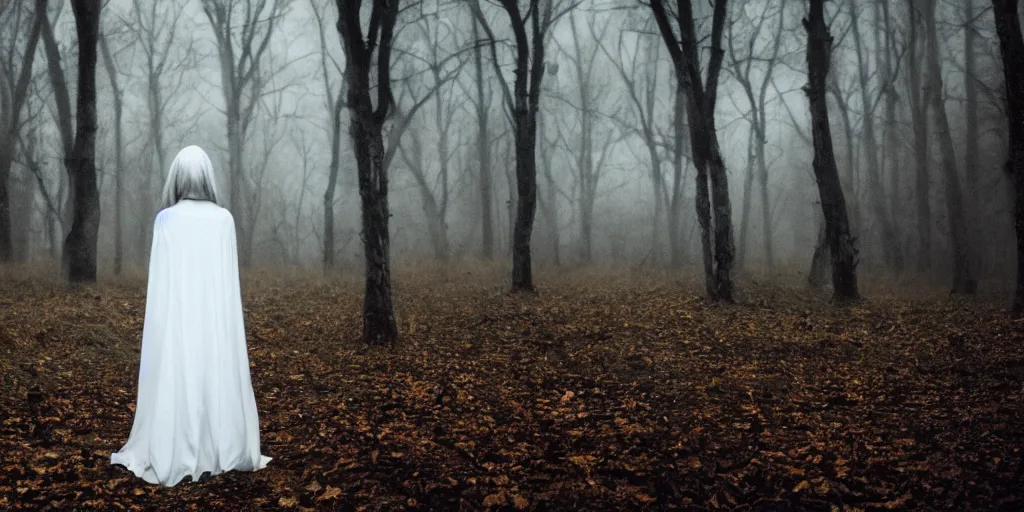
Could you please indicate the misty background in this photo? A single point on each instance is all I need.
(609, 160)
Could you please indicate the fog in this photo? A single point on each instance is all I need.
(607, 153)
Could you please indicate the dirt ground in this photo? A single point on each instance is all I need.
(606, 391)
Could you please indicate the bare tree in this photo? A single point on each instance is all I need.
(833, 203)
(1011, 46)
(62, 101)
(741, 67)
(366, 128)
(482, 104)
(889, 57)
(919, 101)
(156, 27)
(707, 157)
(963, 280)
(435, 204)
(241, 47)
(523, 101)
(335, 98)
(14, 91)
(641, 81)
(890, 240)
(80, 244)
(108, 63)
(588, 171)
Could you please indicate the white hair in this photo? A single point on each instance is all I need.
(190, 177)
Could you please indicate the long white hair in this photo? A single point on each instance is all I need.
(190, 177)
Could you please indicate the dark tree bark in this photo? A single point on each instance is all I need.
(80, 245)
(13, 95)
(819, 262)
(108, 63)
(833, 203)
(963, 280)
(1011, 46)
(707, 157)
(524, 102)
(65, 124)
(366, 129)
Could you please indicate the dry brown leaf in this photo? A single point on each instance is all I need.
(329, 493)
(494, 500)
(520, 502)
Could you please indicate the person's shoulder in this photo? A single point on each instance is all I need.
(194, 209)
(163, 215)
(223, 213)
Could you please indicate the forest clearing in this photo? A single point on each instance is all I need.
(604, 391)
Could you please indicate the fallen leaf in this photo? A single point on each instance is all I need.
(520, 502)
(329, 493)
(493, 500)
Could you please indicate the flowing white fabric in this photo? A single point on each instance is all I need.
(196, 411)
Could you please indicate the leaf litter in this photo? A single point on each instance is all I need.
(600, 392)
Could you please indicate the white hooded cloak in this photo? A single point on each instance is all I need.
(196, 411)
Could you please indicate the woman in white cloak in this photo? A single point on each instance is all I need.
(196, 412)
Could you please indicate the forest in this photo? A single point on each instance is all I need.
(533, 254)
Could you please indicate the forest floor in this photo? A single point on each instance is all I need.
(599, 393)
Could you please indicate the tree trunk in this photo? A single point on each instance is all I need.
(703, 137)
(1011, 46)
(658, 182)
(848, 179)
(332, 180)
(971, 149)
(890, 241)
(892, 147)
(526, 205)
(971, 107)
(236, 167)
(762, 172)
(108, 62)
(552, 193)
(432, 211)
(10, 115)
(724, 247)
(81, 240)
(833, 203)
(748, 186)
(919, 119)
(483, 151)
(963, 281)
(366, 126)
(529, 73)
(818, 275)
(585, 157)
(675, 232)
(378, 312)
(441, 246)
